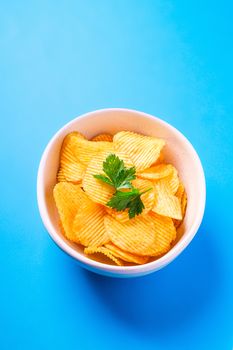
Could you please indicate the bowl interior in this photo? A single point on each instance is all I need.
(178, 151)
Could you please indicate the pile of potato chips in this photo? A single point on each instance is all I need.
(81, 199)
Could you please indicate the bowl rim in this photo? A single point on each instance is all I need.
(92, 264)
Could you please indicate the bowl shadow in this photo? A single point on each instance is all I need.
(168, 299)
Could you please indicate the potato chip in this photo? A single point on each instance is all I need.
(89, 226)
(70, 166)
(183, 203)
(73, 172)
(126, 256)
(165, 203)
(103, 137)
(75, 134)
(122, 215)
(60, 176)
(180, 191)
(170, 182)
(105, 251)
(147, 198)
(135, 236)
(181, 195)
(97, 190)
(68, 198)
(143, 150)
(160, 160)
(165, 233)
(85, 150)
(156, 172)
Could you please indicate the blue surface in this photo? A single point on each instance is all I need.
(59, 59)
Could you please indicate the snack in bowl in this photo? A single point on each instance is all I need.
(116, 196)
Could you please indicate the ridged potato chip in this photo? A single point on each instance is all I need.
(121, 216)
(97, 190)
(183, 203)
(73, 172)
(135, 236)
(156, 172)
(75, 134)
(165, 233)
(170, 182)
(181, 195)
(85, 150)
(89, 226)
(60, 176)
(160, 160)
(147, 198)
(126, 256)
(68, 198)
(70, 166)
(143, 150)
(105, 251)
(180, 191)
(103, 137)
(166, 204)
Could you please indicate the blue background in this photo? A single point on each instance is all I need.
(59, 59)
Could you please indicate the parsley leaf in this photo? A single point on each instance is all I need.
(131, 200)
(120, 200)
(117, 175)
(104, 179)
(120, 177)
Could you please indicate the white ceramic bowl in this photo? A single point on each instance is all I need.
(178, 151)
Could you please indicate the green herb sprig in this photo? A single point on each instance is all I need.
(117, 175)
(120, 177)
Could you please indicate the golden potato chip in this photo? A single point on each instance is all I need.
(170, 182)
(97, 190)
(165, 203)
(61, 176)
(183, 203)
(89, 226)
(156, 172)
(73, 172)
(68, 198)
(73, 135)
(143, 150)
(85, 150)
(173, 181)
(105, 251)
(77, 134)
(70, 166)
(165, 233)
(126, 256)
(148, 235)
(135, 236)
(103, 137)
(122, 215)
(181, 195)
(160, 160)
(147, 198)
(180, 191)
